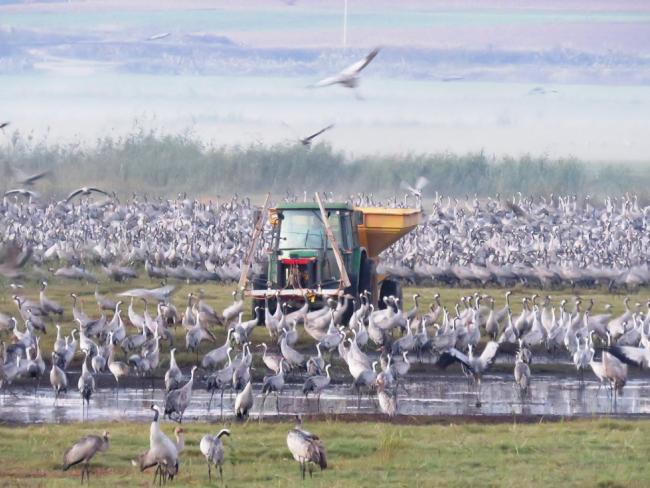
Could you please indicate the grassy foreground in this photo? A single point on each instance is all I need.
(578, 453)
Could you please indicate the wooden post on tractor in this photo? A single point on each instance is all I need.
(259, 226)
(345, 279)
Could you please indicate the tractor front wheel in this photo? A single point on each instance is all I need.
(259, 283)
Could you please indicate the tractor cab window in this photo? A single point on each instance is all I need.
(304, 229)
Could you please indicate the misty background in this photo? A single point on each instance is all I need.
(481, 97)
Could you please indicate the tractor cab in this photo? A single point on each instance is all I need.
(301, 256)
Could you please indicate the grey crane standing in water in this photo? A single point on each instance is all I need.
(316, 385)
(117, 368)
(387, 399)
(212, 448)
(220, 380)
(36, 366)
(86, 384)
(244, 401)
(178, 400)
(83, 451)
(522, 375)
(173, 376)
(58, 379)
(306, 448)
(273, 384)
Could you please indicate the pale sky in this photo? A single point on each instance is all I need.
(554, 78)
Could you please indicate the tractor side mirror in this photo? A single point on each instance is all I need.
(358, 218)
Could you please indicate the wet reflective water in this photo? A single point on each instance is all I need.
(550, 395)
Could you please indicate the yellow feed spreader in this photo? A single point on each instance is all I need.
(382, 227)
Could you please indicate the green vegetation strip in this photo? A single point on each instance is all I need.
(146, 161)
(585, 453)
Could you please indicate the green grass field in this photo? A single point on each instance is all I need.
(586, 453)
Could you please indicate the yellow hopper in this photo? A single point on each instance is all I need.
(383, 226)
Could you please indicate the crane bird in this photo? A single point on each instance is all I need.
(583, 356)
(157, 37)
(49, 306)
(634, 356)
(244, 401)
(85, 191)
(612, 370)
(416, 190)
(233, 310)
(387, 400)
(178, 400)
(160, 294)
(162, 452)
(12, 259)
(29, 180)
(307, 141)
(273, 383)
(83, 451)
(475, 365)
(58, 379)
(36, 366)
(349, 77)
(243, 330)
(271, 360)
(522, 375)
(220, 380)
(173, 376)
(316, 384)
(306, 448)
(212, 448)
(23, 192)
(86, 383)
(117, 368)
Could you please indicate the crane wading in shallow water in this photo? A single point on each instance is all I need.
(320, 251)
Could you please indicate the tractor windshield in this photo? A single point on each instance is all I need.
(304, 229)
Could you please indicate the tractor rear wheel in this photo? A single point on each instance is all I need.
(389, 288)
(367, 276)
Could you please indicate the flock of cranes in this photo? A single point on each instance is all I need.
(164, 453)
(604, 343)
(540, 242)
(440, 335)
(553, 242)
(547, 242)
(517, 241)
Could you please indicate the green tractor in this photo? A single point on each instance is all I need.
(320, 250)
